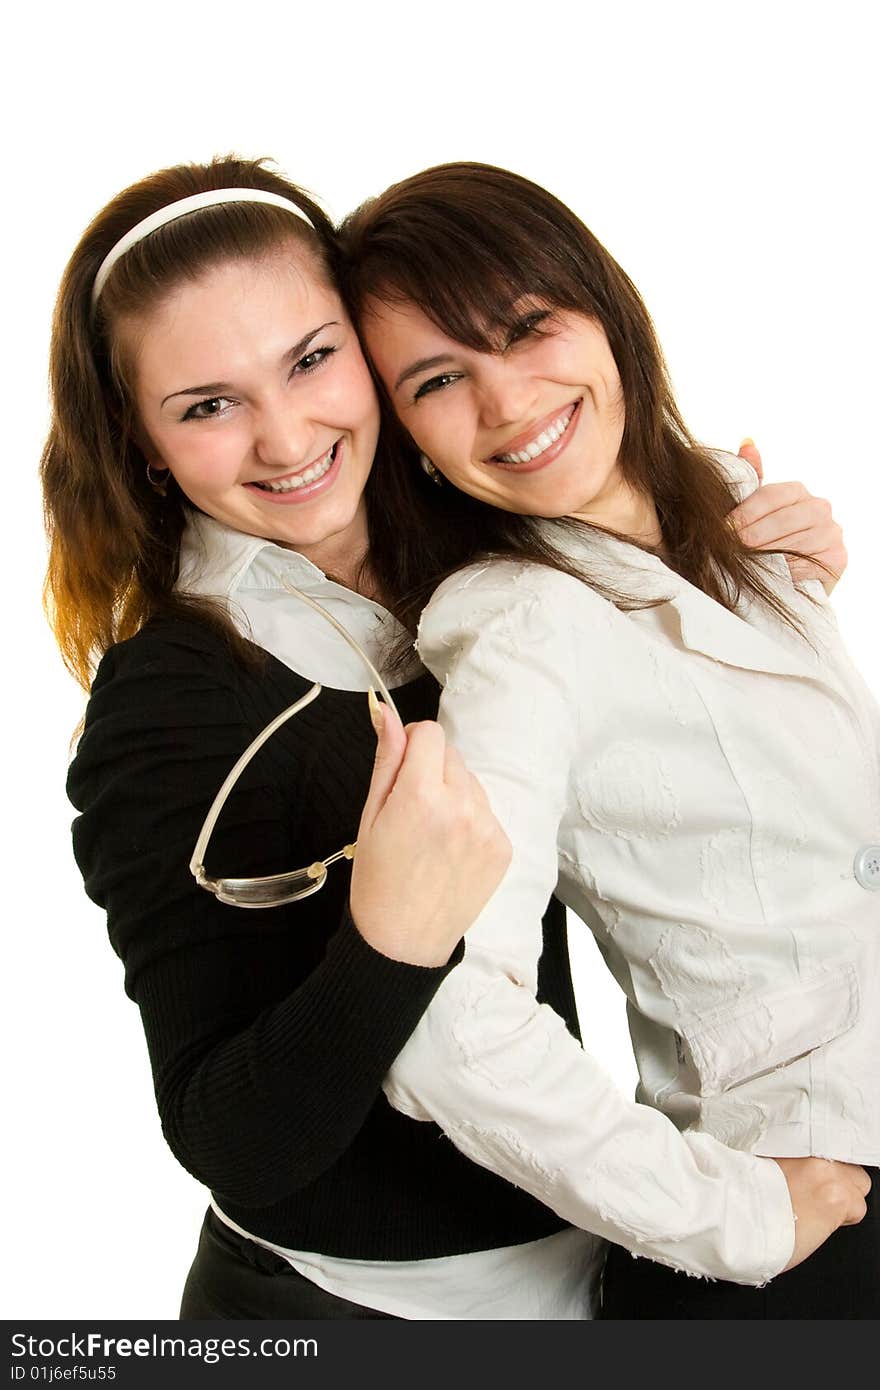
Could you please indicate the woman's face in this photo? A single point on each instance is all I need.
(535, 428)
(251, 388)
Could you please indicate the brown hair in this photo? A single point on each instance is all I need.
(467, 243)
(115, 542)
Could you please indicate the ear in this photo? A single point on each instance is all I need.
(144, 444)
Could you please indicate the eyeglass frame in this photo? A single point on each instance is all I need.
(275, 890)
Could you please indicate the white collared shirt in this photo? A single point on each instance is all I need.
(248, 573)
(554, 1278)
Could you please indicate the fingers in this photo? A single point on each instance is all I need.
(425, 760)
(819, 542)
(749, 451)
(464, 789)
(856, 1211)
(460, 799)
(432, 786)
(391, 746)
(786, 512)
(784, 516)
(861, 1178)
(855, 1185)
(814, 541)
(455, 773)
(771, 498)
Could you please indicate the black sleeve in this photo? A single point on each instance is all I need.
(269, 1031)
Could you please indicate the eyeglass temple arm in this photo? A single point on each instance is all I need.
(344, 633)
(197, 863)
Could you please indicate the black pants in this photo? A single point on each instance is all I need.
(841, 1280)
(232, 1277)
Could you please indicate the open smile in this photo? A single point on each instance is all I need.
(297, 487)
(543, 443)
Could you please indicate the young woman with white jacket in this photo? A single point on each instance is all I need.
(673, 737)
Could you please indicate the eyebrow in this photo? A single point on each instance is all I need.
(215, 387)
(423, 365)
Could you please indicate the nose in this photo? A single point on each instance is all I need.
(283, 436)
(507, 394)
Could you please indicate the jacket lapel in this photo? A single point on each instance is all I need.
(753, 639)
(738, 640)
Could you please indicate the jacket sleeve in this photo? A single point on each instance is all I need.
(512, 1089)
(270, 1031)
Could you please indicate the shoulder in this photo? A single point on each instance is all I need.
(167, 645)
(192, 657)
(176, 694)
(508, 605)
(168, 674)
(504, 586)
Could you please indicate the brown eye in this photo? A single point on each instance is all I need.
(527, 325)
(207, 409)
(314, 359)
(435, 383)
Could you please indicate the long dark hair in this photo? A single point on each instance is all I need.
(467, 243)
(114, 541)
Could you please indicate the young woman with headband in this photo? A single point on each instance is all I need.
(667, 726)
(209, 480)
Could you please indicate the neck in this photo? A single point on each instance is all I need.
(628, 512)
(343, 556)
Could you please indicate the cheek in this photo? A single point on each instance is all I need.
(207, 459)
(351, 396)
(441, 430)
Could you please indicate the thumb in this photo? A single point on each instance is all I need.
(390, 752)
(749, 451)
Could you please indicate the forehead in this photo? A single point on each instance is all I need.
(233, 316)
(399, 317)
(400, 330)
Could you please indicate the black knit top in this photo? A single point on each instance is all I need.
(269, 1032)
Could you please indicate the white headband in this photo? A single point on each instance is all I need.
(211, 199)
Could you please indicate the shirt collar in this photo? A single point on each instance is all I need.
(619, 563)
(217, 560)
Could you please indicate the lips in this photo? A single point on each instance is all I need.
(292, 482)
(543, 442)
(306, 483)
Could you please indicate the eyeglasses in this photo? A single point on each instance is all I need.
(274, 890)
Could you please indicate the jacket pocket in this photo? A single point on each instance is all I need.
(766, 1031)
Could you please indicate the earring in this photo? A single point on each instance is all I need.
(158, 482)
(428, 467)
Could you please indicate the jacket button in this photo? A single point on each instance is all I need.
(866, 866)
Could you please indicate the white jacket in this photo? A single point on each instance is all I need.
(706, 788)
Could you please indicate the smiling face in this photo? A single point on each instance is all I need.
(535, 428)
(250, 386)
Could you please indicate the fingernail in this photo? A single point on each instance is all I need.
(747, 442)
(376, 714)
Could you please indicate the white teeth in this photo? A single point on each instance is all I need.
(309, 475)
(545, 439)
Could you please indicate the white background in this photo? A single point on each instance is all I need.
(726, 155)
